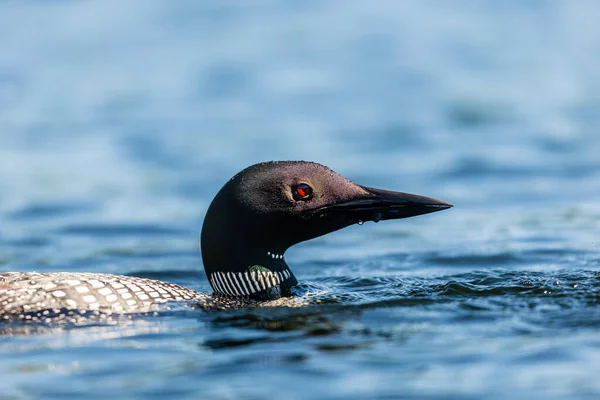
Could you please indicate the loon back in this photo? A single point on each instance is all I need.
(251, 222)
(73, 297)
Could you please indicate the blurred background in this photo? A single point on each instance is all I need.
(120, 120)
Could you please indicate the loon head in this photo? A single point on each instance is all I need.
(269, 207)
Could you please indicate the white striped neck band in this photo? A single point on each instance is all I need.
(256, 282)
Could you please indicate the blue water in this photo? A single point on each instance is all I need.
(119, 121)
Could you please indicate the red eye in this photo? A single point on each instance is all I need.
(302, 191)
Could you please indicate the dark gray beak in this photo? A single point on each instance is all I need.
(380, 205)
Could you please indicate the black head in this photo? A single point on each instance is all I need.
(269, 207)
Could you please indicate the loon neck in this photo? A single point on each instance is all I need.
(262, 275)
(242, 251)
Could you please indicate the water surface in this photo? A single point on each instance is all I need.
(119, 122)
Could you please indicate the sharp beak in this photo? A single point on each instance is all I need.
(378, 205)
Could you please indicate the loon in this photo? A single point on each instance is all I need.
(255, 217)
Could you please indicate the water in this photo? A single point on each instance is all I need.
(120, 121)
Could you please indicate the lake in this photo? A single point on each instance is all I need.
(120, 120)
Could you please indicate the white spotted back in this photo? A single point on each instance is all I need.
(41, 296)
